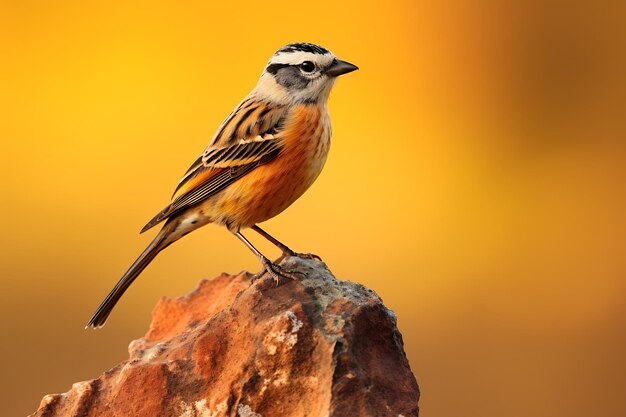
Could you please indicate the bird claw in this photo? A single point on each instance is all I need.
(277, 272)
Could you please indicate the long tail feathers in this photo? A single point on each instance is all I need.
(102, 313)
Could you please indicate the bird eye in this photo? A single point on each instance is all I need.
(307, 66)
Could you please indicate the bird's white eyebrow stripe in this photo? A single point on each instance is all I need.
(292, 58)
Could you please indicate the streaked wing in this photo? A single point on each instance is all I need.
(251, 121)
(242, 153)
(226, 160)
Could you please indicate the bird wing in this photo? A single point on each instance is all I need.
(226, 160)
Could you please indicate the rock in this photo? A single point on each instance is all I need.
(314, 346)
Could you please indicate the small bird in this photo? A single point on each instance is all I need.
(264, 156)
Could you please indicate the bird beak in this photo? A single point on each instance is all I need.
(339, 67)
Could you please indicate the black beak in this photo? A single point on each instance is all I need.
(339, 67)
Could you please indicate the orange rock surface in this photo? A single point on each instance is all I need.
(316, 346)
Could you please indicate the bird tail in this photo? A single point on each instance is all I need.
(159, 243)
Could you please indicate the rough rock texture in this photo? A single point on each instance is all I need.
(311, 347)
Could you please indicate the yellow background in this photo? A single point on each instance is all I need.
(476, 182)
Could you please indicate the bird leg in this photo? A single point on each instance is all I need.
(273, 269)
(284, 248)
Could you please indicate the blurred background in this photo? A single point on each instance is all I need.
(476, 182)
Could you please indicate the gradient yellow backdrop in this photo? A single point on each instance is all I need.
(476, 182)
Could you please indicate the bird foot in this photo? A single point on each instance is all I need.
(277, 272)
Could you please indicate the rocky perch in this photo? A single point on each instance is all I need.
(311, 347)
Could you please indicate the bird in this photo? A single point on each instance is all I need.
(263, 157)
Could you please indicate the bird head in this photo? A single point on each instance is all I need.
(301, 73)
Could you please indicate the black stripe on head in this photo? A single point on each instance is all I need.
(273, 68)
(303, 47)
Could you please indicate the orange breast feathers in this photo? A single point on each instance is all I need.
(306, 140)
(271, 188)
